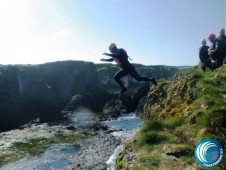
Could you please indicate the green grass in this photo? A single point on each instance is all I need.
(173, 122)
(150, 138)
(119, 164)
(153, 131)
(152, 125)
(140, 167)
(160, 124)
(150, 161)
(211, 92)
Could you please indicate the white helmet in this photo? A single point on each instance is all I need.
(222, 31)
(112, 45)
(203, 41)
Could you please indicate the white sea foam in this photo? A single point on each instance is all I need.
(129, 125)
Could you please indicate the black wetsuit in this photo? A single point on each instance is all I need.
(221, 44)
(121, 58)
(205, 58)
(218, 54)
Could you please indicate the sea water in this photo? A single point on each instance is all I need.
(128, 125)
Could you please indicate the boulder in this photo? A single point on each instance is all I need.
(125, 103)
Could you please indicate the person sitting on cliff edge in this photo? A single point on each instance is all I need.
(121, 58)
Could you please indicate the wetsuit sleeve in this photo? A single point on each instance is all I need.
(217, 47)
(109, 60)
(116, 55)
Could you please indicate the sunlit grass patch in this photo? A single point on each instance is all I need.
(152, 125)
(173, 122)
(150, 138)
(160, 124)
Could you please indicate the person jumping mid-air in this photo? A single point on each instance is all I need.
(121, 58)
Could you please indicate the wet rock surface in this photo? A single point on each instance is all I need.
(95, 148)
(96, 154)
(122, 104)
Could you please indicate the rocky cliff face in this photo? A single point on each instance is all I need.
(40, 91)
(169, 99)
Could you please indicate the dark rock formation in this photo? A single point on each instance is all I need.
(41, 91)
(124, 103)
(93, 98)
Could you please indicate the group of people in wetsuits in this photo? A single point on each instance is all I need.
(214, 56)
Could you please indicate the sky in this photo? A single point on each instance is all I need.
(153, 32)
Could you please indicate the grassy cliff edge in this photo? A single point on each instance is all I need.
(178, 114)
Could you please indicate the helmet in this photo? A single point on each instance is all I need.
(113, 45)
(203, 41)
(211, 36)
(222, 31)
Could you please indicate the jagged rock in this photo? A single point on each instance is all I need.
(141, 105)
(93, 99)
(31, 123)
(71, 128)
(98, 126)
(125, 103)
(169, 99)
(113, 130)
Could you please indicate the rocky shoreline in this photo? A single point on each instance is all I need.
(96, 154)
(80, 127)
(96, 147)
(96, 143)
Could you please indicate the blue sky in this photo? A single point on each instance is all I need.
(152, 32)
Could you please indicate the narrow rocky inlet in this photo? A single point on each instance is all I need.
(64, 147)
